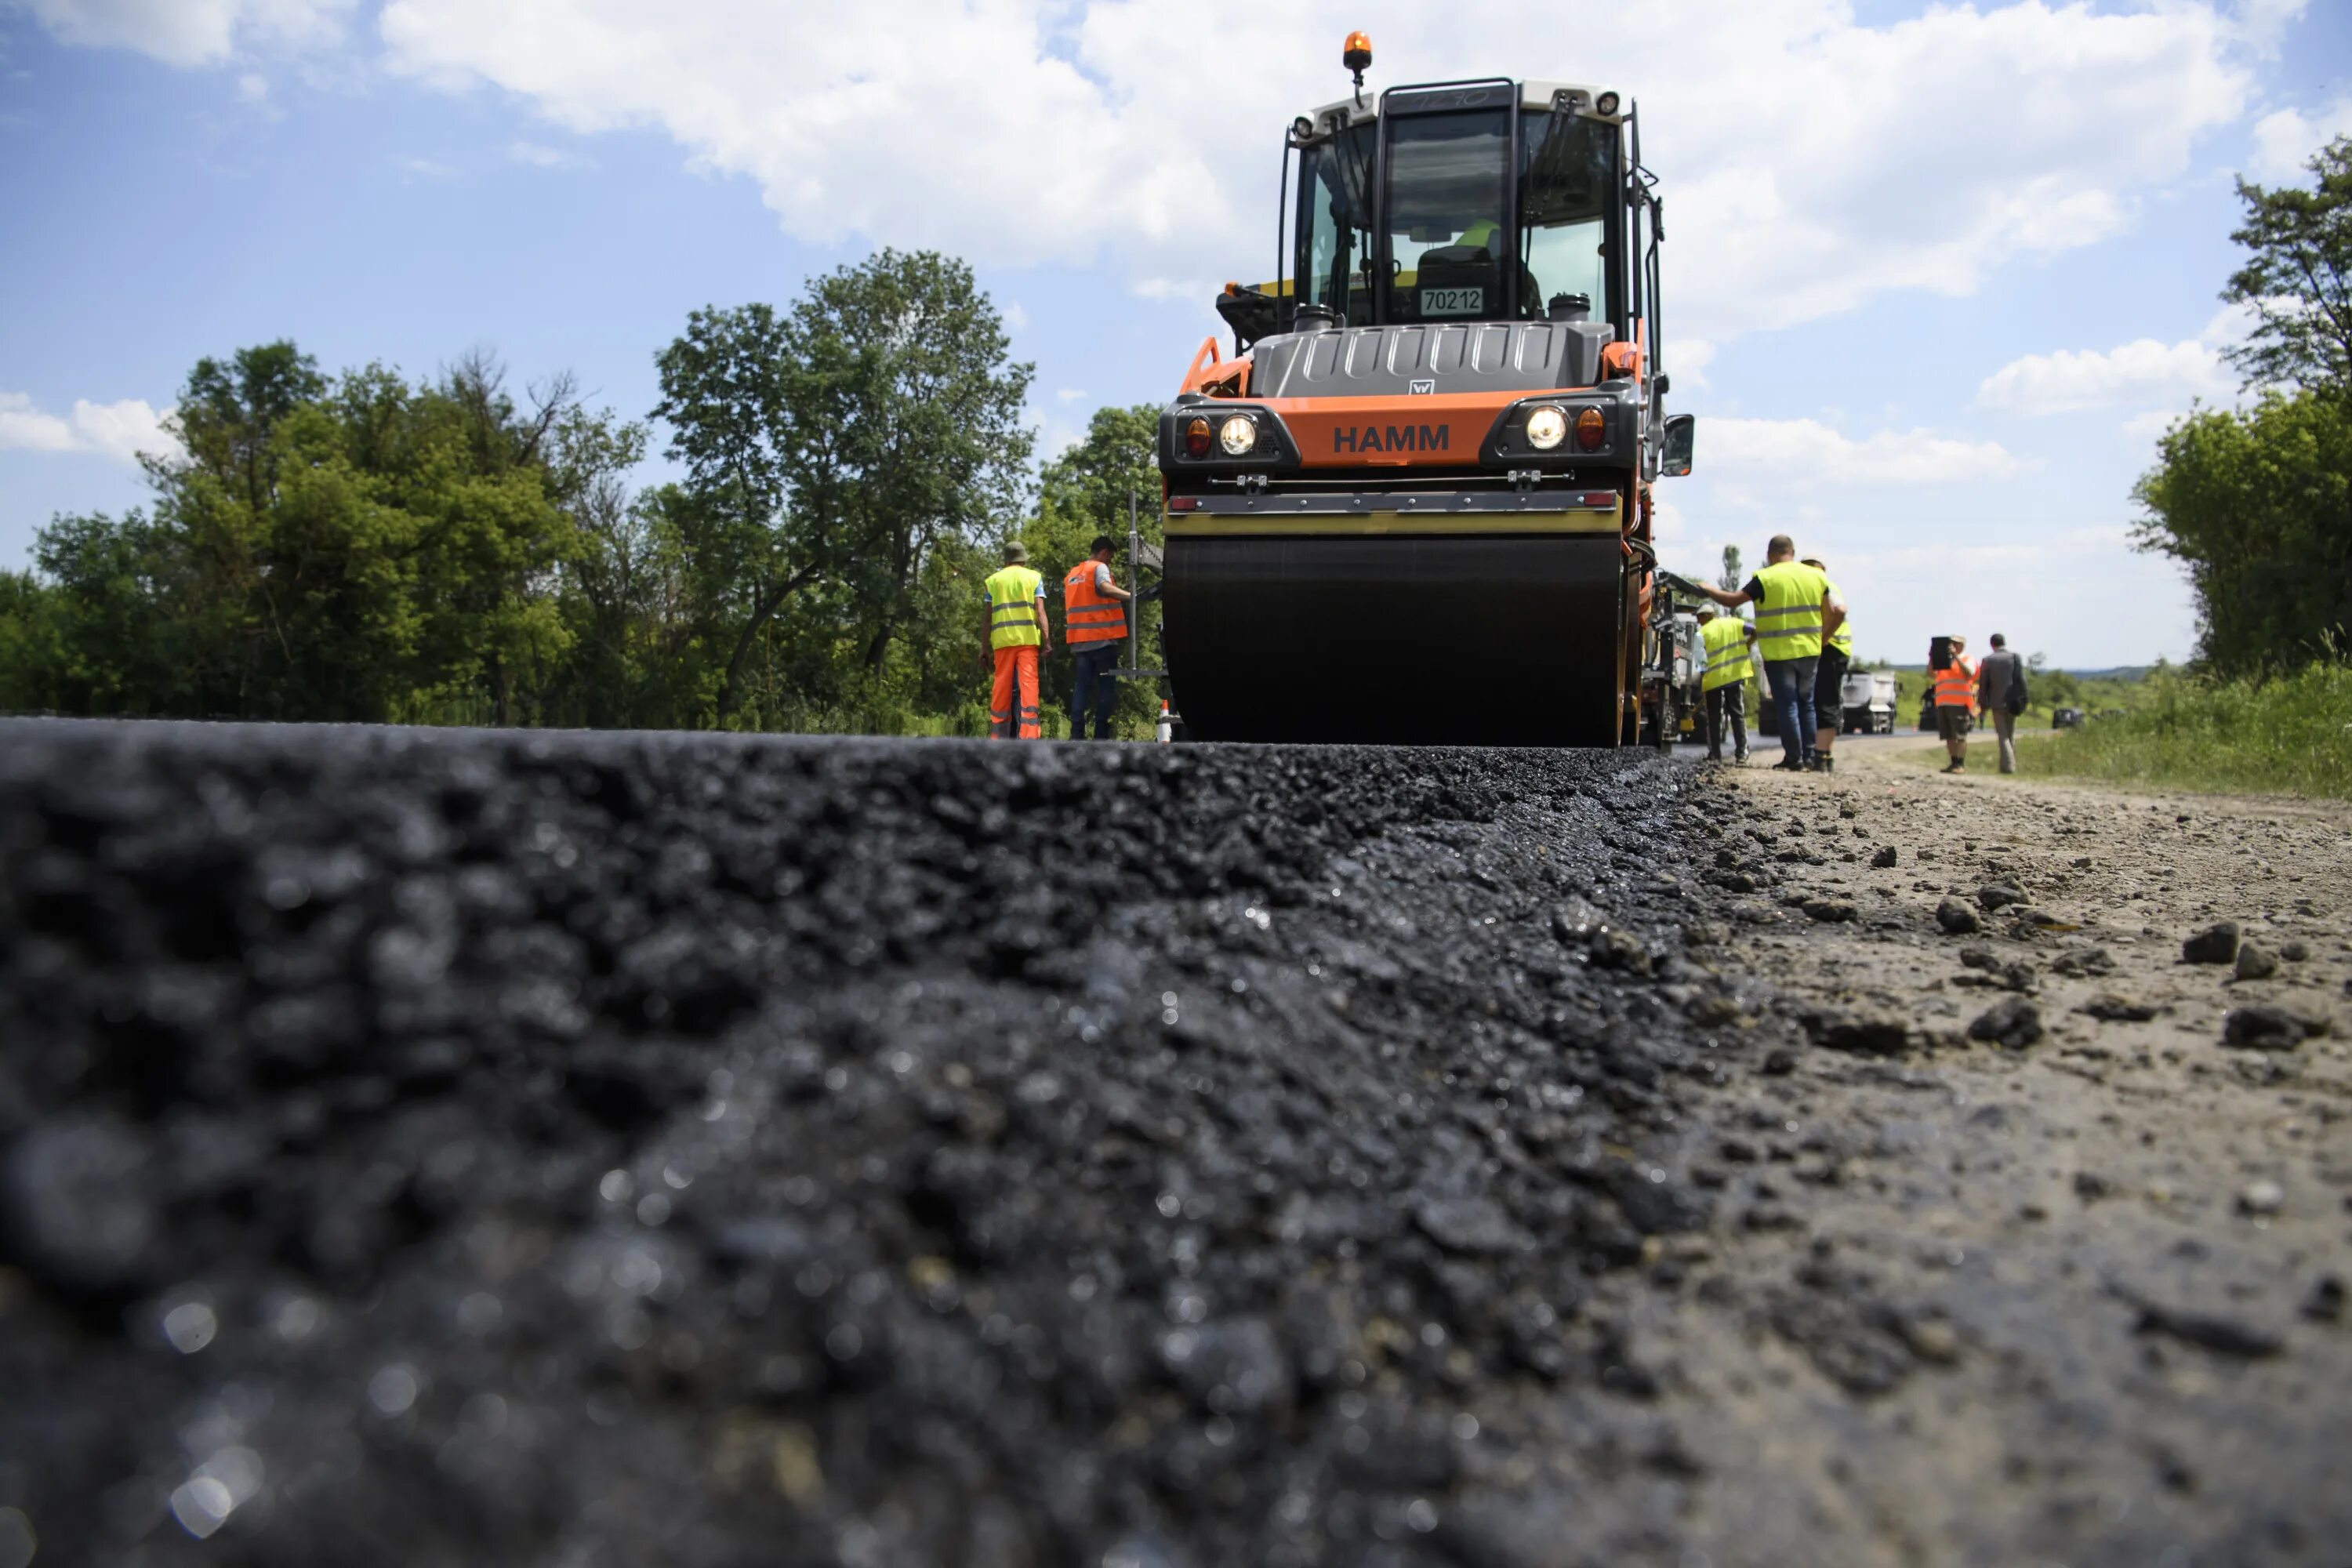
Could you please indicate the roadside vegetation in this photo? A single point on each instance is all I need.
(2286, 734)
(2173, 729)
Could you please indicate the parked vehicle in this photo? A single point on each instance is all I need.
(1866, 702)
(2066, 718)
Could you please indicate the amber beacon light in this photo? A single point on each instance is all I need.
(1357, 53)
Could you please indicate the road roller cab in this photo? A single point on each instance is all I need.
(1426, 463)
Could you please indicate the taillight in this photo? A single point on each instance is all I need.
(1196, 439)
(1591, 429)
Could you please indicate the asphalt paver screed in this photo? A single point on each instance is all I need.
(464, 1147)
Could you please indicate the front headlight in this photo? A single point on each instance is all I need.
(1238, 436)
(1546, 428)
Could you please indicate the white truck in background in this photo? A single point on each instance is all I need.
(1867, 701)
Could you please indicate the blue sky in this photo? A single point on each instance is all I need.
(1935, 275)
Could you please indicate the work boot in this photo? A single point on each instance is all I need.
(1829, 763)
(1740, 755)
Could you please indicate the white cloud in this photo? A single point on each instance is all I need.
(24, 429)
(2284, 142)
(2089, 378)
(1070, 393)
(1687, 359)
(190, 32)
(1810, 162)
(538, 155)
(1810, 450)
(2148, 426)
(2139, 372)
(252, 88)
(121, 431)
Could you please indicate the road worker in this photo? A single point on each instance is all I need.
(2001, 696)
(1017, 635)
(1093, 623)
(1725, 645)
(1956, 705)
(1829, 676)
(1794, 608)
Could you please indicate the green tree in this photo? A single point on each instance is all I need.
(359, 549)
(837, 447)
(2298, 280)
(1728, 579)
(2258, 506)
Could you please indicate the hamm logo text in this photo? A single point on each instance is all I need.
(1390, 438)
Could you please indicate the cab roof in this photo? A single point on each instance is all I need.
(1532, 95)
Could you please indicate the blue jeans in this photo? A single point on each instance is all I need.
(1094, 687)
(1792, 703)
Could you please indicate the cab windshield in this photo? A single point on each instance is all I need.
(1567, 196)
(1449, 188)
(1446, 227)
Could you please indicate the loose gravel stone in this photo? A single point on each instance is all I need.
(1957, 918)
(1884, 856)
(1860, 1034)
(2115, 1009)
(1999, 895)
(2262, 1027)
(2261, 1198)
(2215, 944)
(2014, 1023)
(2255, 963)
(2294, 952)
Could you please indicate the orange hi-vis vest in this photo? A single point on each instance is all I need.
(1956, 686)
(1091, 614)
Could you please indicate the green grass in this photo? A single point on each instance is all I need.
(2291, 734)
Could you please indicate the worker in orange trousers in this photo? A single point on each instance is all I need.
(1017, 634)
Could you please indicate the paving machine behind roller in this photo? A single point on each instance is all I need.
(1428, 466)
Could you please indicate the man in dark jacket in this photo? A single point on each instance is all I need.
(2000, 697)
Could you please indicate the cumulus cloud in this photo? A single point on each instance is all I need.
(2141, 372)
(122, 431)
(1809, 449)
(2090, 378)
(190, 32)
(2284, 142)
(1810, 162)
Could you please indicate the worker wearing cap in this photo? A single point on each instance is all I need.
(1725, 644)
(1017, 634)
(1956, 705)
(1829, 676)
(1794, 608)
(1093, 622)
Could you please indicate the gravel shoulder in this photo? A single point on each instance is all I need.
(587, 1149)
(2116, 1246)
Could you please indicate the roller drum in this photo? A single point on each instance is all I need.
(1455, 640)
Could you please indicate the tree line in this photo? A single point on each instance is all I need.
(362, 547)
(2257, 502)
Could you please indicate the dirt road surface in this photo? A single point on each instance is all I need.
(578, 1150)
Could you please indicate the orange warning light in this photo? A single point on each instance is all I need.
(1357, 53)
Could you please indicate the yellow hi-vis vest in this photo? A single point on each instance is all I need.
(1788, 621)
(1842, 639)
(1724, 641)
(1012, 608)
